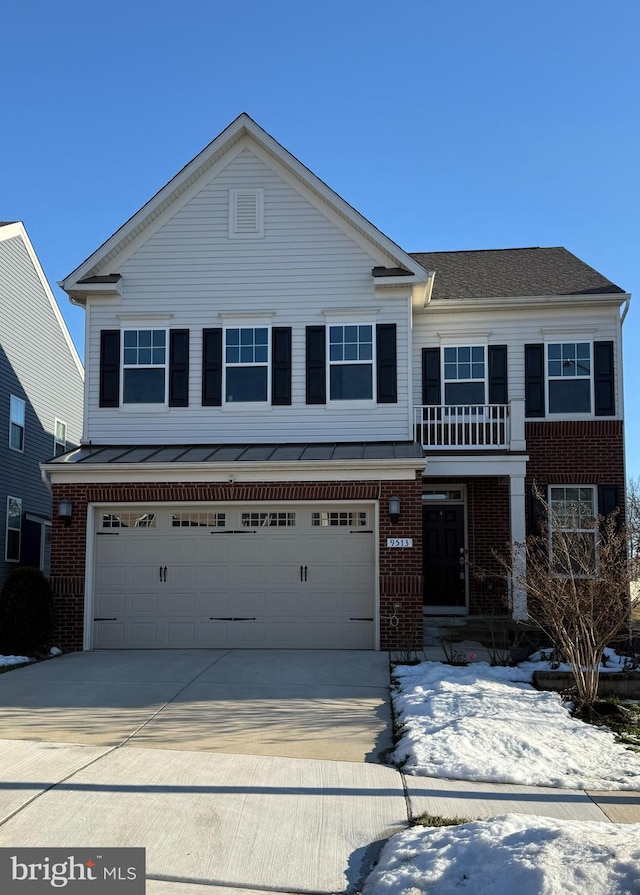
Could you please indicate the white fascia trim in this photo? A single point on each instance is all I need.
(226, 473)
(505, 464)
(18, 229)
(460, 306)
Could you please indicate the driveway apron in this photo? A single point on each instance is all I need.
(237, 771)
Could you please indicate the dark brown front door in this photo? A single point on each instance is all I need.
(443, 555)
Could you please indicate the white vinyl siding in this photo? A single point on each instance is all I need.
(513, 329)
(305, 268)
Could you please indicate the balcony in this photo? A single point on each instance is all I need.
(470, 427)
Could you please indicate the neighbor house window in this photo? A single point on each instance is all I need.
(144, 366)
(572, 529)
(14, 529)
(16, 425)
(60, 438)
(569, 377)
(351, 362)
(464, 375)
(246, 364)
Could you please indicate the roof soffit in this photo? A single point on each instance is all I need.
(240, 134)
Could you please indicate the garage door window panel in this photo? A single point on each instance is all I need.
(127, 519)
(268, 520)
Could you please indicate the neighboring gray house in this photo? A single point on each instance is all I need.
(41, 388)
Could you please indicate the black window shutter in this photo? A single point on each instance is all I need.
(609, 502)
(603, 378)
(498, 390)
(316, 365)
(109, 368)
(431, 390)
(386, 364)
(179, 368)
(534, 403)
(537, 520)
(281, 365)
(212, 367)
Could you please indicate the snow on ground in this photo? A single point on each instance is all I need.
(14, 660)
(511, 853)
(479, 722)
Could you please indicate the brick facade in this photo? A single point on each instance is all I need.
(580, 452)
(400, 569)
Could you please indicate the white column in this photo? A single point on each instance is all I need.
(518, 535)
(516, 417)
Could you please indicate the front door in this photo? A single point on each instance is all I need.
(444, 555)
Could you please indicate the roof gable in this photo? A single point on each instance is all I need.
(241, 132)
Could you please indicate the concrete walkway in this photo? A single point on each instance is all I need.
(106, 749)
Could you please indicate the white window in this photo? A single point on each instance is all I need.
(569, 377)
(268, 520)
(573, 529)
(246, 214)
(128, 519)
(60, 438)
(464, 375)
(351, 362)
(144, 366)
(16, 425)
(14, 529)
(246, 364)
(339, 518)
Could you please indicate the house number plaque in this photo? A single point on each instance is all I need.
(399, 542)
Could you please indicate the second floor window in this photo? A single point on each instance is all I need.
(246, 364)
(144, 366)
(60, 438)
(569, 375)
(464, 375)
(351, 362)
(16, 425)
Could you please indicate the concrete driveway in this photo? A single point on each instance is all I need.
(291, 703)
(237, 771)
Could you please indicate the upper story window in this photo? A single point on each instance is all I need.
(351, 362)
(14, 529)
(16, 424)
(569, 376)
(464, 375)
(246, 364)
(144, 366)
(246, 214)
(60, 438)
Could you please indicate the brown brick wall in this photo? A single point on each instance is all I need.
(400, 569)
(589, 452)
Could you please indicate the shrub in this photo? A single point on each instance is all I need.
(26, 612)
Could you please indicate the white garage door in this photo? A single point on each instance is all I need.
(235, 576)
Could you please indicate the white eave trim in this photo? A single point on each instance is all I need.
(460, 306)
(250, 471)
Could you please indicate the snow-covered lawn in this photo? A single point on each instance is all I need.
(483, 723)
(478, 722)
(511, 854)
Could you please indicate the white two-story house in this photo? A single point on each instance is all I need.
(299, 435)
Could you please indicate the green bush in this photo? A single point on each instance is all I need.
(26, 612)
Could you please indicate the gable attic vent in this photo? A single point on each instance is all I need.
(246, 213)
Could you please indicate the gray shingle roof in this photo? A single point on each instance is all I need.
(503, 273)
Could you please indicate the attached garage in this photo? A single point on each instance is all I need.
(234, 576)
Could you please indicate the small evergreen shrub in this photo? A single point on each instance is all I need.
(26, 612)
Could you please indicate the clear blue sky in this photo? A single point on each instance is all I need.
(456, 124)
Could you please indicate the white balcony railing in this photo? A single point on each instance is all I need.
(470, 426)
